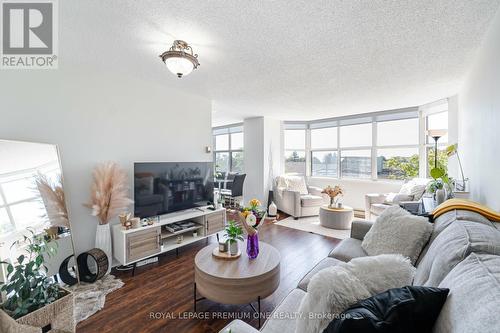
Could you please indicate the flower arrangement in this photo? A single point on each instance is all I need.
(334, 193)
(109, 192)
(254, 209)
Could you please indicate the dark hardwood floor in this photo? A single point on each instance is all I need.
(165, 289)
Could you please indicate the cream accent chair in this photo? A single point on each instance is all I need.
(408, 196)
(294, 197)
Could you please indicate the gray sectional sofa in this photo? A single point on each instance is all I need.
(463, 254)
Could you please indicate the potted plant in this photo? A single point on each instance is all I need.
(32, 298)
(440, 185)
(233, 233)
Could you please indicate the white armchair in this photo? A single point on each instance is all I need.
(408, 196)
(293, 197)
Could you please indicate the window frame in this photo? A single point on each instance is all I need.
(297, 127)
(373, 118)
(228, 130)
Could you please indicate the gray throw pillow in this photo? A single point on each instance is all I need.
(474, 299)
(452, 246)
(397, 232)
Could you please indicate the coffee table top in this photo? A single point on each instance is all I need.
(240, 268)
(343, 209)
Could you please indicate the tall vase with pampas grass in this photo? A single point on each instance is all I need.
(108, 198)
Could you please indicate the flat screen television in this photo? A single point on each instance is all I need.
(166, 187)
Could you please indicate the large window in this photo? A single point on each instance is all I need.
(228, 152)
(382, 145)
(397, 149)
(295, 151)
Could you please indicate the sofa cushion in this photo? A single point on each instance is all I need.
(347, 249)
(474, 299)
(334, 289)
(378, 209)
(281, 320)
(397, 231)
(409, 309)
(310, 200)
(443, 221)
(452, 246)
(327, 262)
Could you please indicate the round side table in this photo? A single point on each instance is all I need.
(336, 218)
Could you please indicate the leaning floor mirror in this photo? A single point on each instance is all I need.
(33, 207)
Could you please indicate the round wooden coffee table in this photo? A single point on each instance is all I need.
(237, 281)
(336, 218)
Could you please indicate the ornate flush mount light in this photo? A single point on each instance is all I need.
(180, 59)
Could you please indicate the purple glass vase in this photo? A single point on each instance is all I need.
(253, 246)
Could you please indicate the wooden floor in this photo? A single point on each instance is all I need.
(166, 288)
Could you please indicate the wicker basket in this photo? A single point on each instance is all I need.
(59, 315)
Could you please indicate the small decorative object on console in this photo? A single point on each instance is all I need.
(180, 239)
(272, 211)
(335, 193)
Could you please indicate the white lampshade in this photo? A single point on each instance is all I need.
(179, 66)
(436, 133)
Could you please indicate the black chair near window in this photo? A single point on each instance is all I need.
(235, 191)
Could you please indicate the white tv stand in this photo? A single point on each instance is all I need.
(133, 245)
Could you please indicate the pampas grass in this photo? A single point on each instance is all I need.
(109, 192)
(52, 195)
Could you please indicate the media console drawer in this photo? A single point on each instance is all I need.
(215, 222)
(144, 243)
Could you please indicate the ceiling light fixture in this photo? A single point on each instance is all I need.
(180, 59)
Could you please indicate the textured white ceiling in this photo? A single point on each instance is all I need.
(286, 59)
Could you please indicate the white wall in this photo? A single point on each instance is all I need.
(479, 118)
(355, 189)
(453, 123)
(94, 118)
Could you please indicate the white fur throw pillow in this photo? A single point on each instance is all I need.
(334, 289)
(297, 183)
(397, 231)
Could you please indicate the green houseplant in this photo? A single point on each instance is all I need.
(29, 291)
(233, 233)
